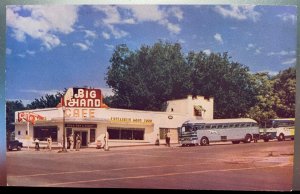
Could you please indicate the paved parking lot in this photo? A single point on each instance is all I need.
(254, 166)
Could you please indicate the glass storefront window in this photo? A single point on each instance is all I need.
(126, 133)
(43, 132)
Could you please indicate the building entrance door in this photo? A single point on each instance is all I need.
(83, 137)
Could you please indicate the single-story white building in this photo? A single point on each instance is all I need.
(82, 112)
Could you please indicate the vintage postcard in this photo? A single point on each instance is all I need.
(151, 96)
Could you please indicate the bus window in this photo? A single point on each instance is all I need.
(242, 125)
(231, 125)
(200, 127)
(207, 126)
(236, 125)
(214, 126)
(225, 125)
(248, 124)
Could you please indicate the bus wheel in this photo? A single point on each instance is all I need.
(204, 141)
(235, 142)
(266, 139)
(281, 137)
(248, 138)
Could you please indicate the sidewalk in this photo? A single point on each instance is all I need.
(112, 148)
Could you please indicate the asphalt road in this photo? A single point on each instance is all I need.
(266, 166)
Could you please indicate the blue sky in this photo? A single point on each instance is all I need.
(52, 47)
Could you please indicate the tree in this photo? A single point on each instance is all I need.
(266, 100)
(285, 92)
(47, 101)
(147, 78)
(228, 82)
(11, 108)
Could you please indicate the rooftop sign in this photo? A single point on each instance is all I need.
(83, 98)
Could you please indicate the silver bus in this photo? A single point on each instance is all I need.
(202, 132)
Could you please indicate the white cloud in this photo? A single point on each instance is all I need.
(21, 55)
(176, 12)
(144, 13)
(258, 50)
(173, 28)
(250, 46)
(90, 34)
(218, 38)
(109, 47)
(207, 51)
(289, 61)
(233, 28)
(286, 17)
(8, 51)
(135, 14)
(181, 41)
(105, 35)
(281, 53)
(241, 12)
(255, 48)
(117, 33)
(30, 52)
(82, 46)
(41, 22)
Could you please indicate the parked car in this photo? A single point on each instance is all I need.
(14, 144)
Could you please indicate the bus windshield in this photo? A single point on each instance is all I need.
(186, 128)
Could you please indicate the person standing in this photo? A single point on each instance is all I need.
(49, 141)
(78, 142)
(106, 137)
(37, 144)
(168, 138)
(71, 139)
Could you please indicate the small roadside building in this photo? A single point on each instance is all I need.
(82, 111)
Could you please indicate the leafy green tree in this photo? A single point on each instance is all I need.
(47, 101)
(266, 100)
(285, 92)
(11, 108)
(147, 78)
(228, 82)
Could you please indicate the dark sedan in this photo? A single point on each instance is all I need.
(15, 144)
